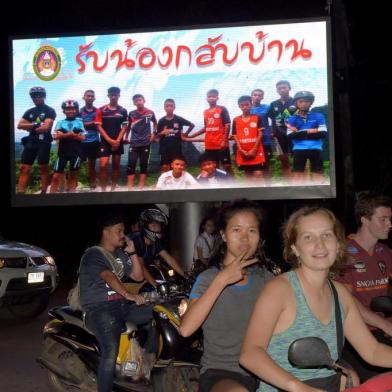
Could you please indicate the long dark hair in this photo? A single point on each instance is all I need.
(222, 218)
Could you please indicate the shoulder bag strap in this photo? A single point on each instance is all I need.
(109, 257)
(338, 320)
(206, 241)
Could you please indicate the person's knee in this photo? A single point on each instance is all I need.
(25, 169)
(228, 386)
(103, 164)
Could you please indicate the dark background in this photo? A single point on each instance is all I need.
(361, 84)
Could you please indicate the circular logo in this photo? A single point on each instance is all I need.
(47, 63)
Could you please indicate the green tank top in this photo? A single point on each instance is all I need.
(305, 324)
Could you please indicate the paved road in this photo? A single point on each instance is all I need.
(20, 342)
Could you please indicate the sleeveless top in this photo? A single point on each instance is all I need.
(304, 325)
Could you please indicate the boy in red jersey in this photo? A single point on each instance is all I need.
(247, 133)
(217, 129)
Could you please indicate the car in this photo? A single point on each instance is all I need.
(28, 275)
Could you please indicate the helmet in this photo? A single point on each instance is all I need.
(307, 95)
(34, 91)
(152, 216)
(70, 103)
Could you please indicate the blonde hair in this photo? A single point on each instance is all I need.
(290, 235)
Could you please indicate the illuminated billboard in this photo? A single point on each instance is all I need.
(195, 114)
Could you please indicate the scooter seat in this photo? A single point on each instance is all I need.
(75, 317)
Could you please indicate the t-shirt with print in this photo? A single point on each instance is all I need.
(225, 325)
(311, 120)
(39, 114)
(279, 112)
(113, 120)
(70, 146)
(88, 116)
(367, 275)
(140, 123)
(168, 181)
(262, 111)
(93, 289)
(247, 130)
(215, 120)
(171, 143)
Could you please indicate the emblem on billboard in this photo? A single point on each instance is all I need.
(46, 63)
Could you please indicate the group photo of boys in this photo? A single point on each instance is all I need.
(160, 129)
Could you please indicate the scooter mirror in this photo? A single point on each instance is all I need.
(381, 304)
(310, 353)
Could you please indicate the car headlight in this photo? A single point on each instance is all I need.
(50, 260)
(2, 263)
(182, 307)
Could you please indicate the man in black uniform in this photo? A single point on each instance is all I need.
(279, 111)
(38, 121)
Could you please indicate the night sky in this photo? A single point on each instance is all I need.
(361, 82)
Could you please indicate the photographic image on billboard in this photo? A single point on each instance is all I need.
(194, 114)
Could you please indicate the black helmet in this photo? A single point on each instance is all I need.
(70, 103)
(152, 216)
(307, 95)
(34, 91)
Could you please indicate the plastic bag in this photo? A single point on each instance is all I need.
(132, 365)
(73, 297)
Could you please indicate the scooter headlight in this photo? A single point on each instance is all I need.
(170, 272)
(182, 307)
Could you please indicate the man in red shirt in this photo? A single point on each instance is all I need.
(217, 129)
(370, 268)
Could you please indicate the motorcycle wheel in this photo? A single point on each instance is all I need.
(176, 378)
(68, 362)
(30, 309)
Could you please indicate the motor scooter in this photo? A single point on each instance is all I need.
(313, 352)
(70, 352)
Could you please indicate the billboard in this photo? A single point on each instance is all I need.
(195, 114)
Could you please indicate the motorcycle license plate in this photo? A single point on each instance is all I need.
(35, 277)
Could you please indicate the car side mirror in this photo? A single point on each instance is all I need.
(310, 352)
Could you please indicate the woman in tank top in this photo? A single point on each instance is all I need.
(300, 304)
(223, 296)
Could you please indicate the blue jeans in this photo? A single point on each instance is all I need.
(106, 321)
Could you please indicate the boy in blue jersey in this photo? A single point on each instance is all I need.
(307, 132)
(261, 110)
(69, 133)
(92, 120)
